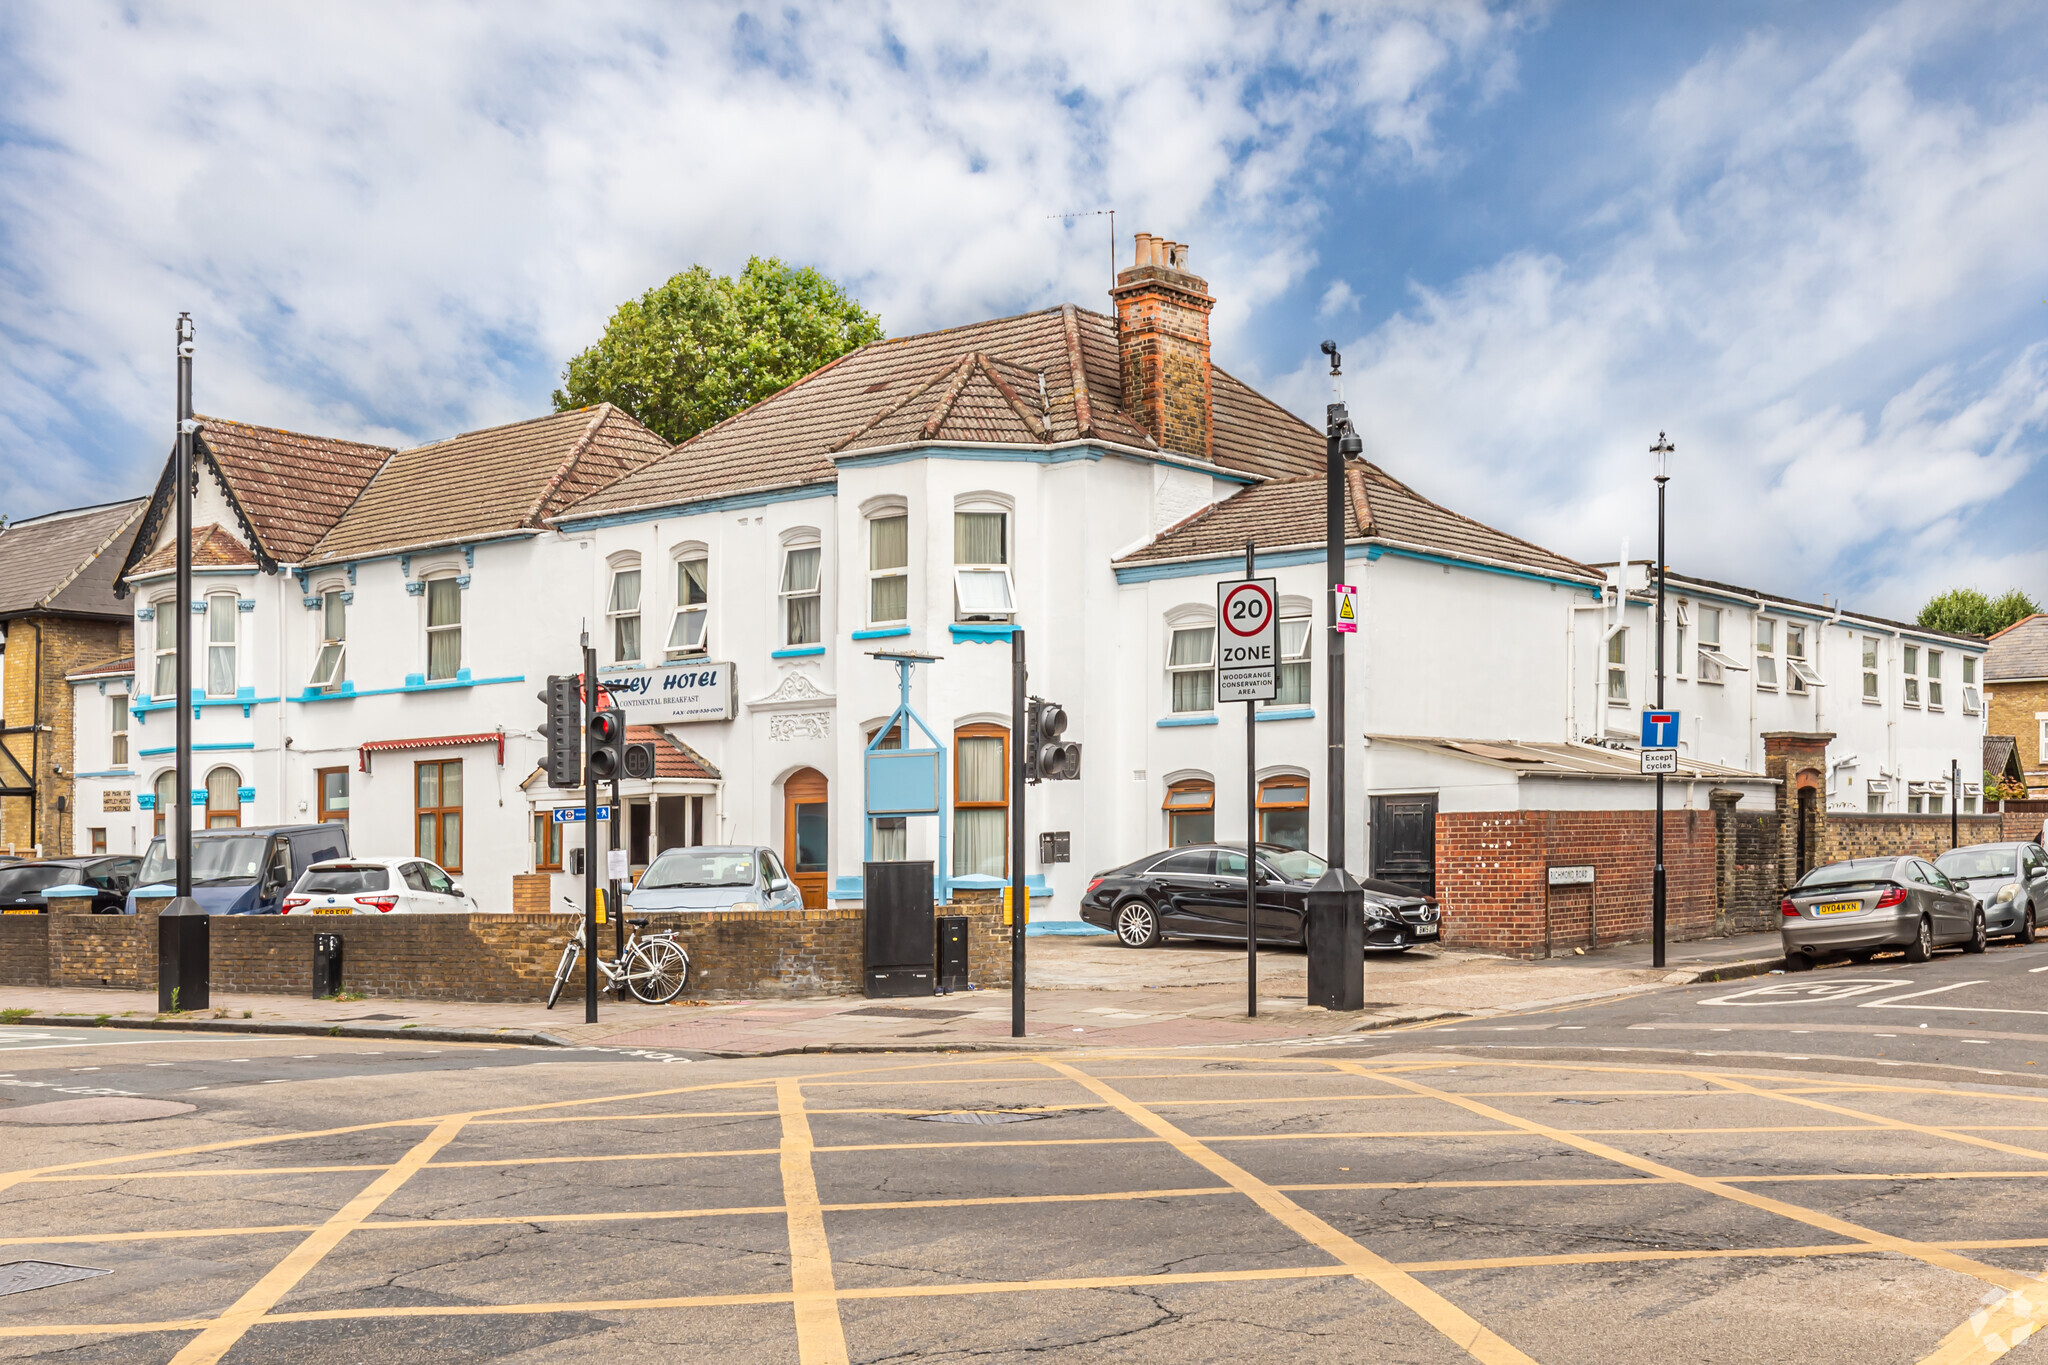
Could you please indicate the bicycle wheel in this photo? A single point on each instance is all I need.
(562, 973)
(658, 971)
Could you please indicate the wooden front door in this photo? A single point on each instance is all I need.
(804, 826)
(1404, 840)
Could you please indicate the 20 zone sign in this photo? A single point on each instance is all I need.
(1248, 645)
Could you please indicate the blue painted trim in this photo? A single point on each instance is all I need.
(1288, 713)
(142, 710)
(798, 652)
(110, 772)
(733, 503)
(1170, 721)
(852, 888)
(1068, 455)
(73, 889)
(172, 748)
(1061, 926)
(244, 795)
(971, 634)
(1233, 565)
(453, 684)
(883, 633)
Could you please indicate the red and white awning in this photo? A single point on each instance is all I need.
(379, 746)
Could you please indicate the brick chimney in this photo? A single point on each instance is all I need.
(1162, 327)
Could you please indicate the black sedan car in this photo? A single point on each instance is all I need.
(22, 884)
(1197, 891)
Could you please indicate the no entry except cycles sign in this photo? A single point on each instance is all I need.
(1248, 640)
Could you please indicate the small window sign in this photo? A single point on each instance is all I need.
(1571, 876)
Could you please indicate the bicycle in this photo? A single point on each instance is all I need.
(655, 968)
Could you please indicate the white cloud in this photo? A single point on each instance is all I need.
(1811, 283)
(393, 221)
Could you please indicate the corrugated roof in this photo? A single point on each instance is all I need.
(213, 547)
(491, 482)
(1560, 760)
(1290, 513)
(2019, 653)
(292, 487)
(67, 561)
(1039, 378)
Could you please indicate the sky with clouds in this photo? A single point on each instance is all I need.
(1804, 240)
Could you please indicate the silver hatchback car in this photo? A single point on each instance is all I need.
(720, 877)
(2010, 881)
(1868, 905)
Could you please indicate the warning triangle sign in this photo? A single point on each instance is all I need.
(1344, 612)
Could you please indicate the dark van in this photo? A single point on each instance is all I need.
(241, 871)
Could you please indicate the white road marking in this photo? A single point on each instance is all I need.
(1892, 1001)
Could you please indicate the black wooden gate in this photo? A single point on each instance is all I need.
(1404, 840)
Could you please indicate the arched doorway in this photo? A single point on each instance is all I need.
(804, 831)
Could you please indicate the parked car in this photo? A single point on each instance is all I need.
(1197, 891)
(2010, 882)
(241, 871)
(717, 877)
(1866, 905)
(22, 884)
(377, 886)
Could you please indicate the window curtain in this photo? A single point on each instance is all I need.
(889, 598)
(978, 538)
(444, 628)
(223, 798)
(889, 542)
(167, 645)
(892, 839)
(221, 623)
(1294, 676)
(1194, 651)
(978, 831)
(625, 590)
(800, 585)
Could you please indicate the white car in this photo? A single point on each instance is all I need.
(377, 886)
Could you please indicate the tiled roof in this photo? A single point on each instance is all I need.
(213, 547)
(2001, 756)
(1037, 379)
(491, 482)
(292, 487)
(672, 757)
(2019, 653)
(120, 666)
(66, 561)
(1289, 513)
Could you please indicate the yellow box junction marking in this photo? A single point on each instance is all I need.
(820, 1339)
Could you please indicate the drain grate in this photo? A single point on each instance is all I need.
(18, 1277)
(907, 1012)
(980, 1116)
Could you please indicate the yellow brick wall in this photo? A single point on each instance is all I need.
(67, 645)
(2013, 709)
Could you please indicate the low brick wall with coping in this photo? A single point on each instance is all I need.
(760, 954)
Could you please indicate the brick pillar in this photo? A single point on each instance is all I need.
(1162, 326)
(1798, 760)
(1724, 803)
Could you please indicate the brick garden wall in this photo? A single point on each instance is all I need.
(1878, 836)
(761, 954)
(1750, 882)
(1492, 877)
(2022, 819)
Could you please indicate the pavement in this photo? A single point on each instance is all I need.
(1082, 989)
(1576, 1188)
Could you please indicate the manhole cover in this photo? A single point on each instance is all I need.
(982, 1116)
(97, 1109)
(18, 1277)
(908, 1012)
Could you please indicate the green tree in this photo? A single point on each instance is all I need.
(690, 353)
(1970, 612)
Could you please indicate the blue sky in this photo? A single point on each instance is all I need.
(1805, 240)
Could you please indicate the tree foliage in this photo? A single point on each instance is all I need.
(1970, 612)
(690, 353)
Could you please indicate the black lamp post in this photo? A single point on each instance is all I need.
(1663, 451)
(1336, 904)
(182, 941)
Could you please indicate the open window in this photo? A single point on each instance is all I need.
(1800, 676)
(1283, 812)
(330, 665)
(1713, 663)
(1973, 700)
(1190, 807)
(689, 630)
(982, 587)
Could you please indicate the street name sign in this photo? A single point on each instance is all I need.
(1248, 640)
(1571, 876)
(1344, 610)
(673, 694)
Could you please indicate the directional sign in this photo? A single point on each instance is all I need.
(573, 815)
(1345, 608)
(1660, 730)
(1248, 645)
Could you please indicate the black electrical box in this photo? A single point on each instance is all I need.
(898, 930)
(1056, 846)
(326, 965)
(184, 957)
(952, 953)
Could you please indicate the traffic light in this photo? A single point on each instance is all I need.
(563, 729)
(1049, 757)
(607, 744)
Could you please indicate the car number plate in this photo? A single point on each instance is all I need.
(1838, 908)
(1425, 931)
(332, 910)
(25, 911)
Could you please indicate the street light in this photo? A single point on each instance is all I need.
(1663, 450)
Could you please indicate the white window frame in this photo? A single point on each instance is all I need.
(1973, 698)
(429, 630)
(1801, 676)
(621, 617)
(877, 574)
(229, 605)
(1714, 665)
(1873, 671)
(1208, 665)
(677, 625)
(788, 596)
(1934, 679)
(1909, 675)
(1766, 637)
(117, 730)
(166, 622)
(330, 660)
(963, 572)
(2042, 751)
(1681, 618)
(1302, 657)
(1612, 668)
